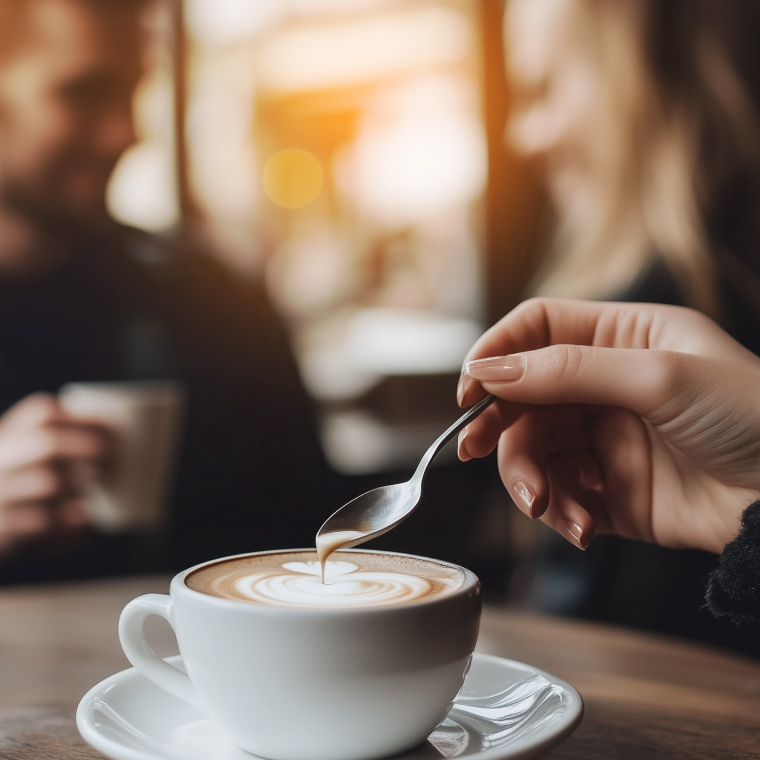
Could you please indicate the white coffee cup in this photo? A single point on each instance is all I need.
(309, 683)
(146, 418)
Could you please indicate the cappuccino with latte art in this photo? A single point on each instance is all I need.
(361, 667)
(352, 579)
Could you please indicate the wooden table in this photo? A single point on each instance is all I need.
(646, 696)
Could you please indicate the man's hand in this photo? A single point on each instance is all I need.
(45, 458)
(633, 419)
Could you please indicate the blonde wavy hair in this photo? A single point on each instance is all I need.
(681, 139)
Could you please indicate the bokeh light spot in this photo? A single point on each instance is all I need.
(293, 177)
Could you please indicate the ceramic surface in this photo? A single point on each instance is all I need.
(360, 683)
(505, 710)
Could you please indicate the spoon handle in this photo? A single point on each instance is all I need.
(447, 435)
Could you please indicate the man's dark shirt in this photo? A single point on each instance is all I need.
(131, 307)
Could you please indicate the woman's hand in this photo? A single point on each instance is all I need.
(633, 419)
(44, 455)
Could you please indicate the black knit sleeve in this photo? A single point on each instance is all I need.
(733, 590)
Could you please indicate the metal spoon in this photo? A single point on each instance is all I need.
(378, 511)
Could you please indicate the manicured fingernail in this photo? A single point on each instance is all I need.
(464, 455)
(576, 531)
(460, 390)
(497, 369)
(524, 493)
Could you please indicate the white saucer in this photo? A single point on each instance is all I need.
(505, 710)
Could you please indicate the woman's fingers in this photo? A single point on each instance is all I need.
(523, 454)
(572, 508)
(623, 449)
(667, 400)
(534, 324)
(542, 322)
(644, 381)
(689, 399)
(540, 436)
(481, 436)
(581, 470)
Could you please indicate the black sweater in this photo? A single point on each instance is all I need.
(733, 590)
(132, 307)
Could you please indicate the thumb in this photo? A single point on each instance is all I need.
(642, 380)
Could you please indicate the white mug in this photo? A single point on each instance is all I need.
(145, 418)
(304, 683)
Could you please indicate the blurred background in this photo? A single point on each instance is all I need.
(353, 155)
(401, 173)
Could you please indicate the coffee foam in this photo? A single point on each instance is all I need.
(352, 580)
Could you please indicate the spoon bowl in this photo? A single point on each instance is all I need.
(382, 509)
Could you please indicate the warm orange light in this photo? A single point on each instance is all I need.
(356, 51)
(293, 178)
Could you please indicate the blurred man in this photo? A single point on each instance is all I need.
(84, 299)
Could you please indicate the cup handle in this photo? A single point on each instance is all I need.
(139, 653)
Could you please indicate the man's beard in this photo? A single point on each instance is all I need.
(49, 215)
